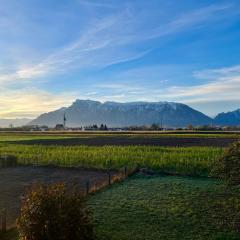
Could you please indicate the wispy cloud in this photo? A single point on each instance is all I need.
(117, 86)
(189, 20)
(95, 48)
(104, 43)
(213, 74)
(224, 85)
(98, 4)
(199, 16)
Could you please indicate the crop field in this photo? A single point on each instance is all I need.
(48, 149)
(188, 161)
(169, 208)
(122, 139)
(146, 207)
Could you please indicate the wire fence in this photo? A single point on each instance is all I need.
(122, 174)
(87, 188)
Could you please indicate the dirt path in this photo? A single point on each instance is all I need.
(13, 182)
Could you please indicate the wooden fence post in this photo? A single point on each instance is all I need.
(125, 171)
(4, 220)
(109, 177)
(87, 187)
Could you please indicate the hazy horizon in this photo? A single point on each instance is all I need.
(54, 52)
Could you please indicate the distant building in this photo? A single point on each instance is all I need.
(59, 127)
(43, 128)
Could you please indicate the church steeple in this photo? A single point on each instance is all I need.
(64, 120)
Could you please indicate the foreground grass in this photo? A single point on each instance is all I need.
(150, 208)
(169, 208)
(195, 161)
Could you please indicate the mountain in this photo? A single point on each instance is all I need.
(50, 119)
(18, 122)
(114, 114)
(228, 119)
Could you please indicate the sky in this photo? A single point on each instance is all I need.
(53, 52)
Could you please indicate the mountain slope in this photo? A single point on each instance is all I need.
(228, 119)
(86, 112)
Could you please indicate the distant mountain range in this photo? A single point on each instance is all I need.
(114, 114)
(228, 119)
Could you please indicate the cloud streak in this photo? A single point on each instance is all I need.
(224, 86)
(104, 43)
(96, 4)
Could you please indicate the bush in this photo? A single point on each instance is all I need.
(53, 212)
(228, 167)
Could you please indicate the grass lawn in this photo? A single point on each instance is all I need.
(151, 208)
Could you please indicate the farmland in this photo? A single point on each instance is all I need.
(188, 154)
(188, 161)
(180, 206)
(121, 139)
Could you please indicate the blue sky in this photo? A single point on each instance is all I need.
(53, 52)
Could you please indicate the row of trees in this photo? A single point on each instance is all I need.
(102, 127)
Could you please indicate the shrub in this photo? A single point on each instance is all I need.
(54, 212)
(228, 166)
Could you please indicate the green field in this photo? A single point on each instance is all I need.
(150, 208)
(189, 161)
(194, 160)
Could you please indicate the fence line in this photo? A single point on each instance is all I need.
(111, 178)
(3, 220)
(87, 188)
